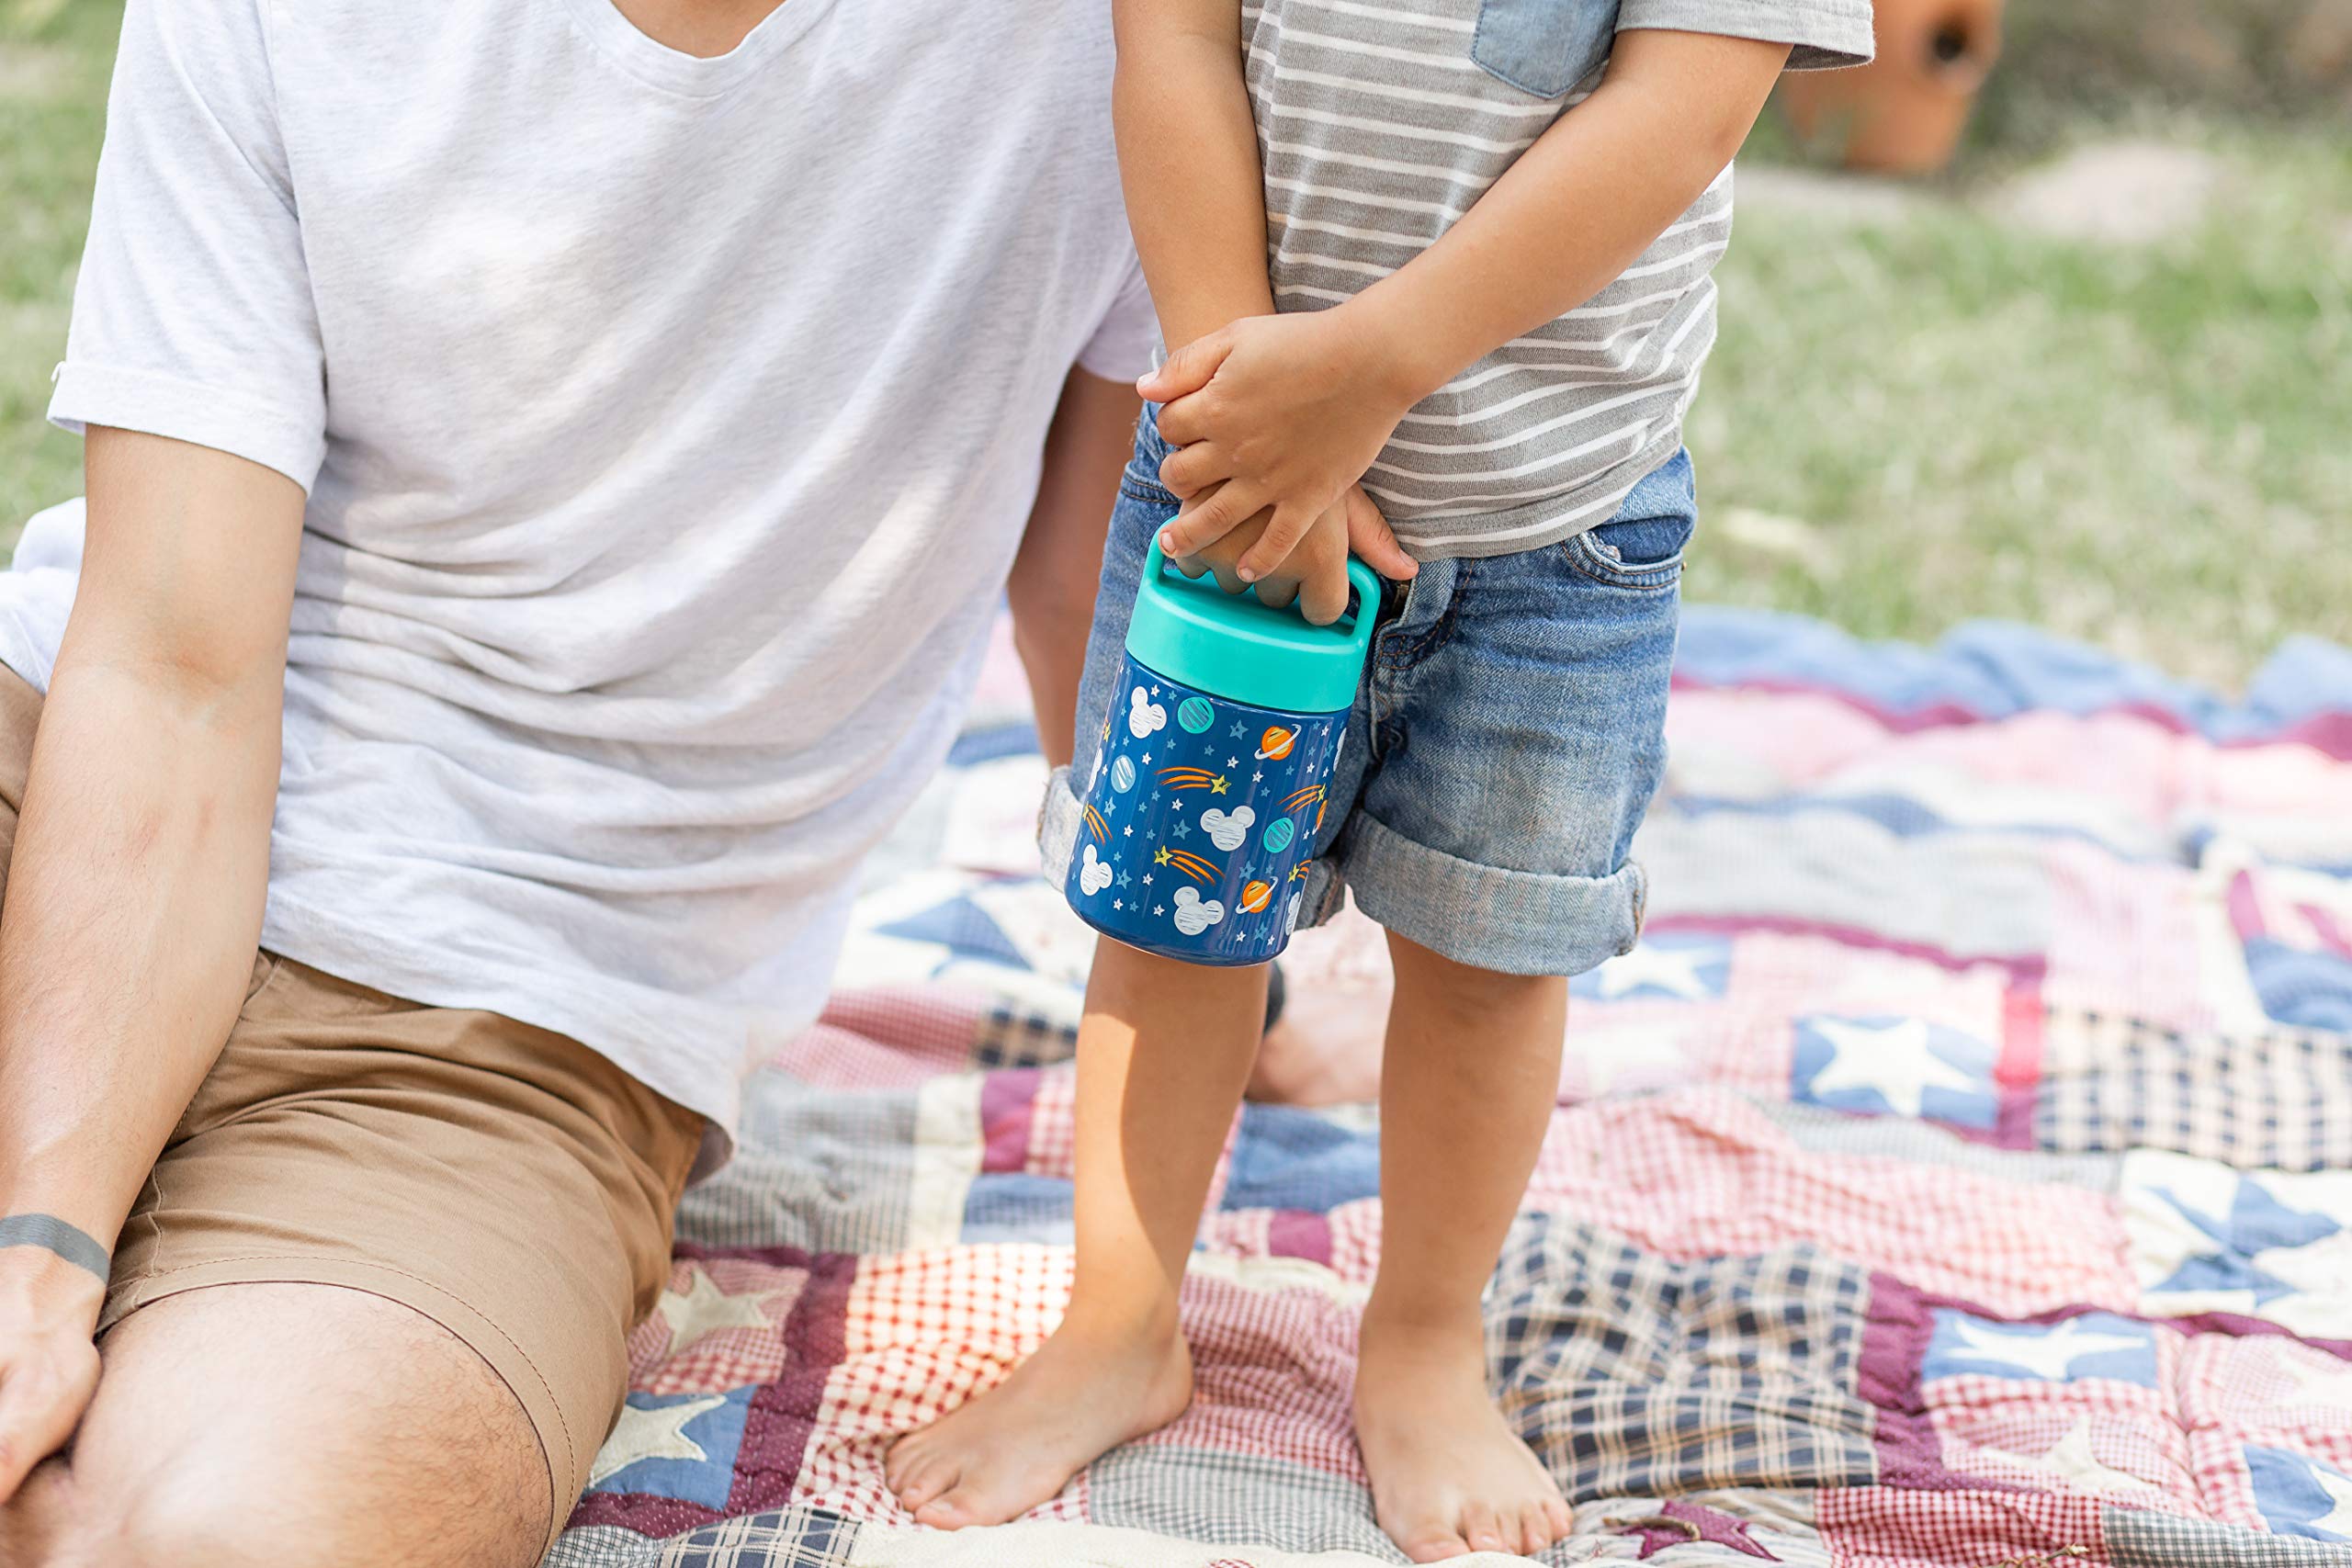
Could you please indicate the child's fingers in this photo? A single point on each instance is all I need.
(1276, 592)
(1372, 541)
(1184, 421)
(1190, 469)
(1274, 545)
(1215, 563)
(1188, 370)
(1222, 568)
(1202, 522)
(1323, 591)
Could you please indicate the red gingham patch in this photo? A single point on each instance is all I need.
(2272, 1389)
(2259, 1390)
(1355, 1240)
(888, 1037)
(724, 1356)
(1899, 1527)
(1273, 1372)
(1701, 1172)
(923, 1331)
(1237, 1233)
(2036, 1441)
(1053, 1124)
(2119, 930)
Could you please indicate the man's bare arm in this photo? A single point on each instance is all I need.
(134, 893)
(1054, 577)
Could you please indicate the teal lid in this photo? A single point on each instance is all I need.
(1230, 646)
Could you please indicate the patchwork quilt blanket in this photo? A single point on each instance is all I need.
(1959, 1173)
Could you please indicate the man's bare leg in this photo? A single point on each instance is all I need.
(282, 1424)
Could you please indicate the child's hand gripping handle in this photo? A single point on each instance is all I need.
(1355, 623)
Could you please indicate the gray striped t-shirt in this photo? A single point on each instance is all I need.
(1380, 122)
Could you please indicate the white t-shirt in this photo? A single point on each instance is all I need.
(669, 426)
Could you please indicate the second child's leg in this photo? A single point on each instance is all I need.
(1472, 1072)
(1163, 1055)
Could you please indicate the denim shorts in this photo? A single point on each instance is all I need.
(1506, 740)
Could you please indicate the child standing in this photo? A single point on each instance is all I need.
(1439, 284)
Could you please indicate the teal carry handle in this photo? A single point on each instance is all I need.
(1192, 630)
(1361, 578)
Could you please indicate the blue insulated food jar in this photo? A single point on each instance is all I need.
(1207, 787)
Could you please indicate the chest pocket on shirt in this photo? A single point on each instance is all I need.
(1543, 47)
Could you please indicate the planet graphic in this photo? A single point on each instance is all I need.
(1279, 833)
(1275, 743)
(1123, 775)
(1195, 713)
(1256, 895)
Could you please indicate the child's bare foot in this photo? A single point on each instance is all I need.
(1448, 1474)
(1083, 1394)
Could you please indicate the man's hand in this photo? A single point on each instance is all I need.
(49, 1368)
(1281, 414)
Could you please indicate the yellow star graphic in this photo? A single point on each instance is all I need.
(1161, 858)
(1217, 784)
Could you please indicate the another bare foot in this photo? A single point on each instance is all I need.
(1083, 1394)
(1326, 1049)
(1448, 1474)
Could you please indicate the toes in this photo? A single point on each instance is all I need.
(1534, 1530)
(1436, 1546)
(901, 1460)
(951, 1511)
(1483, 1530)
(924, 1480)
(1560, 1517)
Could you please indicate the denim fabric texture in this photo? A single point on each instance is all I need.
(1543, 47)
(1502, 749)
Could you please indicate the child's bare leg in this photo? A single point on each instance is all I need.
(1163, 1054)
(1472, 1073)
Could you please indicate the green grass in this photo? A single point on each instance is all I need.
(54, 62)
(2149, 448)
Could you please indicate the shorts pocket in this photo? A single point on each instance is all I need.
(1634, 552)
(1543, 47)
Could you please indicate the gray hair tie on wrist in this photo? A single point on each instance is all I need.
(53, 1234)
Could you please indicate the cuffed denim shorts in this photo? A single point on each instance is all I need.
(1506, 740)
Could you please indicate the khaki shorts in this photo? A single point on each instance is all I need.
(503, 1180)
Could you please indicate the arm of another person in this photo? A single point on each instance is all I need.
(1054, 577)
(1303, 403)
(134, 893)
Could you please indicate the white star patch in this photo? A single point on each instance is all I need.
(1892, 1060)
(2071, 1461)
(1670, 969)
(703, 1309)
(659, 1433)
(2051, 1353)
